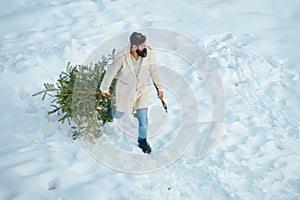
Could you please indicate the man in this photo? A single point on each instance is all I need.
(134, 66)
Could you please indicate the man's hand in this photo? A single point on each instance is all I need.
(105, 94)
(160, 95)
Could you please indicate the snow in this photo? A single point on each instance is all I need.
(253, 46)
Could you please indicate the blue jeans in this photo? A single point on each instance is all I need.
(142, 115)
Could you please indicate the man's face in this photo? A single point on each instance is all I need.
(142, 46)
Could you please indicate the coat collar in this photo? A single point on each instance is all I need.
(129, 61)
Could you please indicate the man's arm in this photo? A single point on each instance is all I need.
(156, 77)
(110, 75)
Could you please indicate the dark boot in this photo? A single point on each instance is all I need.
(143, 144)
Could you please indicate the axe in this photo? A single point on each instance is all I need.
(162, 101)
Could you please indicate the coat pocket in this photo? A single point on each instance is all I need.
(145, 88)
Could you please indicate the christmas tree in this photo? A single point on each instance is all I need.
(76, 96)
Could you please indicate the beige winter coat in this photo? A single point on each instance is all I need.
(133, 86)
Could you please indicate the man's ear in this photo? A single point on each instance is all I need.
(134, 47)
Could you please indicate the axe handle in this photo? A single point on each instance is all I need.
(162, 101)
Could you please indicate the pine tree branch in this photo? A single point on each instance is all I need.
(92, 119)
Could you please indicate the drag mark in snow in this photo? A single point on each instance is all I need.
(260, 140)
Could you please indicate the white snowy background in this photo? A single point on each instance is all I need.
(255, 47)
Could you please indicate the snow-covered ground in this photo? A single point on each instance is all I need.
(253, 45)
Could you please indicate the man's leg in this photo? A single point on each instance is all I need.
(142, 115)
(116, 114)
